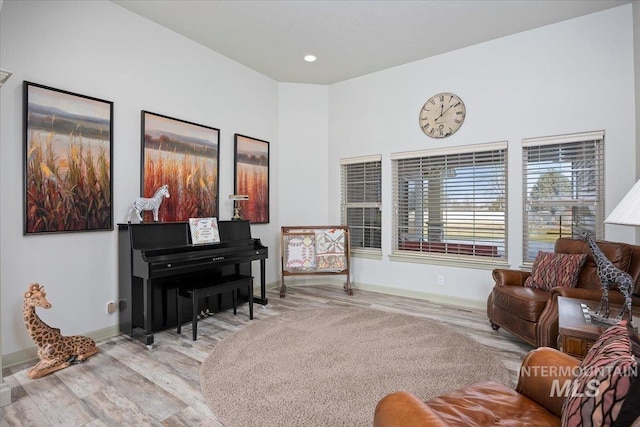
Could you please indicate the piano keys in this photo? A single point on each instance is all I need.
(157, 257)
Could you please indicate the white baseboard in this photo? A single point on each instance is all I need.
(465, 303)
(457, 302)
(31, 353)
(5, 394)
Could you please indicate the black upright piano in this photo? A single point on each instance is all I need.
(155, 258)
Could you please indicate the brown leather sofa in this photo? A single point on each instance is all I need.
(532, 403)
(532, 314)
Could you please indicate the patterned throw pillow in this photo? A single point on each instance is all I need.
(551, 269)
(603, 381)
(301, 253)
(630, 412)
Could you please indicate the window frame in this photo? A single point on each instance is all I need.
(447, 252)
(568, 143)
(361, 162)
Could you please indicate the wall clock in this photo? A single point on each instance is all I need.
(442, 115)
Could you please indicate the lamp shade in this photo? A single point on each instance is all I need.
(4, 76)
(628, 210)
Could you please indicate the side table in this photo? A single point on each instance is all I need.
(576, 333)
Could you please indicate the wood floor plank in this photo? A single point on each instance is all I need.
(128, 384)
(191, 418)
(149, 396)
(81, 380)
(23, 412)
(60, 406)
(175, 374)
(112, 407)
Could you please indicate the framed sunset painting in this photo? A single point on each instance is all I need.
(184, 156)
(251, 170)
(67, 161)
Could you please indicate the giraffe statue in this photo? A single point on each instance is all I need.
(610, 275)
(54, 350)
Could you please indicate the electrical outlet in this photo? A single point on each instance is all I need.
(440, 280)
(111, 307)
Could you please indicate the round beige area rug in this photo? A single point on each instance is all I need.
(330, 367)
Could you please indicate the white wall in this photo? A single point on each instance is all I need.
(5, 392)
(569, 77)
(99, 49)
(636, 62)
(304, 137)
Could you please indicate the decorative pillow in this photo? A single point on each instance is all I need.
(550, 270)
(618, 253)
(301, 254)
(603, 381)
(630, 411)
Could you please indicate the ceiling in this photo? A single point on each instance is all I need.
(349, 38)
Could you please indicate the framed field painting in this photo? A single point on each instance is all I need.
(251, 170)
(184, 156)
(68, 148)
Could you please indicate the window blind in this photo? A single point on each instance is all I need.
(451, 202)
(361, 188)
(563, 186)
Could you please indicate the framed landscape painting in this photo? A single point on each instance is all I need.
(68, 147)
(184, 156)
(251, 172)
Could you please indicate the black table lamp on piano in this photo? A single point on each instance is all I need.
(236, 206)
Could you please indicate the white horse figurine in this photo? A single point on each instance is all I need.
(151, 204)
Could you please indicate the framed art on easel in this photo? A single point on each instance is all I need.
(251, 177)
(68, 148)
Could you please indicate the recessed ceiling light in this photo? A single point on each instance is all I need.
(310, 58)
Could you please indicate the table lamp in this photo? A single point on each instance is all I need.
(236, 207)
(627, 212)
(4, 76)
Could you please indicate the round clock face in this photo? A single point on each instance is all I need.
(442, 115)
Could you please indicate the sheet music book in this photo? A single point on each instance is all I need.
(204, 230)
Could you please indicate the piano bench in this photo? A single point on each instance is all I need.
(228, 283)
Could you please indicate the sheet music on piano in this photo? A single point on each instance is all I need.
(204, 230)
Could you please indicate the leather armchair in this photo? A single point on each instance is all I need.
(535, 401)
(532, 314)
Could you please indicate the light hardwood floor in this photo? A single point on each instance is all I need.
(128, 384)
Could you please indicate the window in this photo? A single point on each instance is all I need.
(451, 203)
(563, 180)
(362, 200)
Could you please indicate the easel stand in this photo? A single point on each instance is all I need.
(315, 251)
